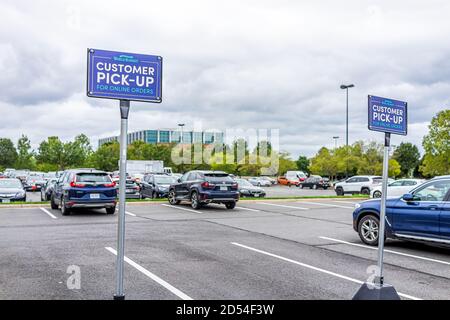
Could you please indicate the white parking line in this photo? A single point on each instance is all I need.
(283, 206)
(351, 202)
(180, 208)
(326, 205)
(128, 213)
(249, 209)
(152, 276)
(386, 250)
(314, 268)
(49, 213)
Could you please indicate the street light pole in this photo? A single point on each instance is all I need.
(343, 86)
(181, 125)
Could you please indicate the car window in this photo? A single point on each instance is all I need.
(184, 177)
(165, 179)
(409, 183)
(10, 184)
(221, 177)
(93, 177)
(352, 180)
(397, 184)
(363, 179)
(434, 191)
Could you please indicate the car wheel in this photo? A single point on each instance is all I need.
(365, 191)
(154, 195)
(230, 205)
(53, 205)
(111, 210)
(377, 194)
(172, 198)
(64, 210)
(339, 191)
(368, 230)
(195, 202)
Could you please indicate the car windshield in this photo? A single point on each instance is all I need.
(4, 183)
(243, 183)
(218, 177)
(165, 180)
(93, 177)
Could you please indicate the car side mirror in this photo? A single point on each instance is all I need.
(408, 197)
(179, 180)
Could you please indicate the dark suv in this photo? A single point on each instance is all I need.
(156, 185)
(203, 187)
(84, 188)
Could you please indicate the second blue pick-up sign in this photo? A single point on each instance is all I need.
(124, 76)
(388, 115)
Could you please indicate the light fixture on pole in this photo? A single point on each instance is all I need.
(335, 141)
(345, 87)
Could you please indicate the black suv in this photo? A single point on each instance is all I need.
(203, 187)
(156, 185)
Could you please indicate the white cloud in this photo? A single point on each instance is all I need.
(253, 64)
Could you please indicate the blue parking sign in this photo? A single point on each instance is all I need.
(388, 115)
(124, 76)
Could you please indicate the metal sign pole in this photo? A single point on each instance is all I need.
(387, 139)
(124, 110)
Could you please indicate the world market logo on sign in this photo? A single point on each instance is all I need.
(388, 115)
(124, 76)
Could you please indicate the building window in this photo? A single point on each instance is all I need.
(152, 136)
(164, 137)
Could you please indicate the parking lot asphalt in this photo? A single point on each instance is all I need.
(260, 250)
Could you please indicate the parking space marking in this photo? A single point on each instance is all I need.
(181, 208)
(326, 205)
(249, 209)
(49, 213)
(283, 206)
(128, 213)
(152, 276)
(351, 202)
(314, 268)
(386, 250)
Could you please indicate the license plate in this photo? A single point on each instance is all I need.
(222, 188)
(129, 190)
(95, 196)
(5, 200)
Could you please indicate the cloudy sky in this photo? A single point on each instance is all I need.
(227, 64)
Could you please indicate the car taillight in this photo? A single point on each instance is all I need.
(208, 185)
(110, 185)
(234, 186)
(74, 184)
(136, 188)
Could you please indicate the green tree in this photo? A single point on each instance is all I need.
(25, 158)
(324, 163)
(303, 164)
(8, 153)
(436, 160)
(50, 154)
(394, 168)
(408, 156)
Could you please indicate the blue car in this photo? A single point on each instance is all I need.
(422, 215)
(84, 188)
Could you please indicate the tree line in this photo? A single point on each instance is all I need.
(359, 158)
